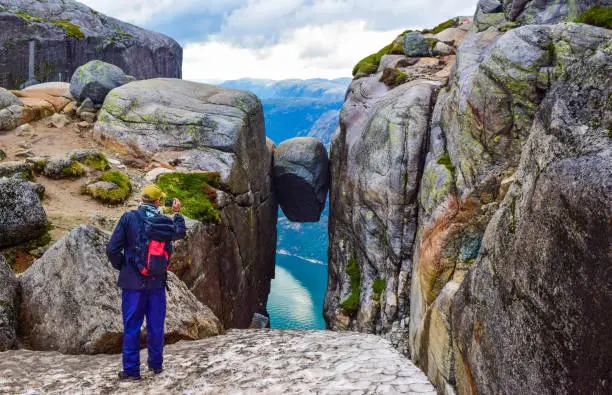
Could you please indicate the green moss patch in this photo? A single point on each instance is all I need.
(597, 16)
(74, 170)
(445, 161)
(97, 161)
(21, 257)
(369, 64)
(394, 77)
(112, 196)
(71, 29)
(444, 25)
(351, 304)
(197, 194)
(378, 286)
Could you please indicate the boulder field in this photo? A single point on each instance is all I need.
(470, 219)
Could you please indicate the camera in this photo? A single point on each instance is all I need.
(168, 202)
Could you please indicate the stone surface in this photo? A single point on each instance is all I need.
(58, 120)
(531, 11)
(9, 169)
(242, 361)
(442, 49)
(8, 306)
(301, 178)
(94, 80)
(58, 89)
(85, 315)
(415, 45)
(201, 127)
(534, 310)
(11, 110)
(152, 176)
(22, 217)
(59, 51)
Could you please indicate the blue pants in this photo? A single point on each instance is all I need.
(137, 304)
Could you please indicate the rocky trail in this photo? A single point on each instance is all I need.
(241, 361)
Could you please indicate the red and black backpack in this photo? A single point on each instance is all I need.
(153, 238)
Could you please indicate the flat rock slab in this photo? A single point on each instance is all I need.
(242, 361)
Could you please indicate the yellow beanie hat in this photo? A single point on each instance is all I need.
(152, 193)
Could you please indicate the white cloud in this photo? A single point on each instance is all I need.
(216, 60)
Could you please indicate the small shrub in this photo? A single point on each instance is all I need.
(351, 304)
(378, 286)
(114, 196)
(197, 194)
(597, 16)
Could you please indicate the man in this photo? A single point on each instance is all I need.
(144, 291)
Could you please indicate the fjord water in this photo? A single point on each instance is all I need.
(298, 108)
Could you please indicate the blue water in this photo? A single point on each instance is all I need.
(297, 294)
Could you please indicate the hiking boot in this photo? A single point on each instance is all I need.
(124, 376)
(156, 371)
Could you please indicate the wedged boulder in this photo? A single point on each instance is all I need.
(69, 34)
(79, 311)
(8, 306)
(301, 178)
(94, 80)
(534, 310)
(206, 128)
(22, 217)
(11, 110)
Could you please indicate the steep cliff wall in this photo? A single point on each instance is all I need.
(68, 34)
(498, 331)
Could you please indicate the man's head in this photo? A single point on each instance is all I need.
(152, 194)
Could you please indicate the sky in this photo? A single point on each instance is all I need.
(279, 39)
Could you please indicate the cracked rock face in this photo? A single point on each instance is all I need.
(22, 217)
(534, 311)
(207, 128)
(301, 178)
(79, 311)
(60, 50)
(377, 158)
(8, 306)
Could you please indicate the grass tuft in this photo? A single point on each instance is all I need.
(351, 304)
(444, 25)
(197, 194)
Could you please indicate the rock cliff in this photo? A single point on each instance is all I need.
(227, 262)
(68, 34)
(479, 246)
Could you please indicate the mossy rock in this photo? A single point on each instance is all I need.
(58, 168)
(351, 304)
(597, 16)
(2, 155)
(197, 194)
(394, 77)
(91, 158)
(112, 187)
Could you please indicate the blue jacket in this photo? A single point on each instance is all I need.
(121, 251)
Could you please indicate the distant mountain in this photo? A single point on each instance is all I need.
(297, 107)
(312, 88)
